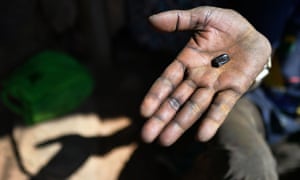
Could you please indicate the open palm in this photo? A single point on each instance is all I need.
(190, 88)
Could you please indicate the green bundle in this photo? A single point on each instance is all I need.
(48, 85)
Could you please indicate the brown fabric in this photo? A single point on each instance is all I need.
(239, 150)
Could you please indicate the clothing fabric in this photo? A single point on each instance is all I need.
(226, 156)
(279, 102)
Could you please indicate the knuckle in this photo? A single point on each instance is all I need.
(180, 125)
(191, 83)
(166, 81)
(174, 103)
(239, 89)
(194, 106)
(159, 118)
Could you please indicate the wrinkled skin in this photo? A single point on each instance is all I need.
(190, 89)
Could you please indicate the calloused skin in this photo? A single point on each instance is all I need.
(190, 89)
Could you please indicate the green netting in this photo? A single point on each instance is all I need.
(48, 85)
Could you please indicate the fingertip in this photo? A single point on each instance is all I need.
(148, 107)
(151, 130)
(155, 19)
(146, 138)
(203, 137)
(152, 17)
(165, 141)
(164, 21)
(144, 111)
(170, 134)
(207, 130)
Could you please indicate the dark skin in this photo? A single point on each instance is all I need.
(190, 88)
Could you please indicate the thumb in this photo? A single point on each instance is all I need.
(181, 20)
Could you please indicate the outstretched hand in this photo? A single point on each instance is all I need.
(190, 88)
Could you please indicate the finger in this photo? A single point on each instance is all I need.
(217, 113)
(190, 113)
(178, 20)
(163, 86)
(167, 111)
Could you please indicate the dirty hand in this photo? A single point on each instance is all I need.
(191, 88)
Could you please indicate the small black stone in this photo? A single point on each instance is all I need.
(220, 60)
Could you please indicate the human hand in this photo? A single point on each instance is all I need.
(190, 87)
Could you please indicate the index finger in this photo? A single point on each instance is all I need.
(162, 87)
